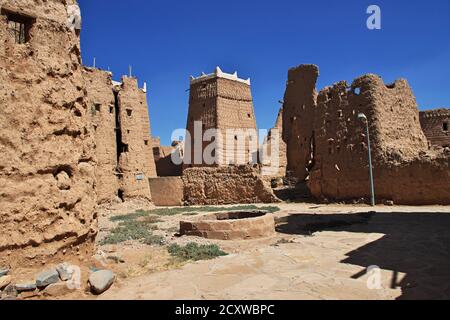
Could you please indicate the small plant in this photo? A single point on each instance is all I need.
(131, 230)
(195, 252)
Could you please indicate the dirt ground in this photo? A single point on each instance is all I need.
(319, 252)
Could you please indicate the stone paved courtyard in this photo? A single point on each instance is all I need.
(319, 252)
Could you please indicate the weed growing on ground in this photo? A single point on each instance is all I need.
(131, 230)
(194, 252)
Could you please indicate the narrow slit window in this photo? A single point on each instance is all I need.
(445, 126)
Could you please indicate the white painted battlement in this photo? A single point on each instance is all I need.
(219, 74)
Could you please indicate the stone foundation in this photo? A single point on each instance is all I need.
(226, 185)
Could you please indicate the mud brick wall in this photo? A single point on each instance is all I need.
(136, 161)
(405, 170)
(226, 185)
(165, 167)
(298, 112)
(221, 103)
(103, 116)
(47, 158)
(275, 135)
(436, 126)
(167, 191)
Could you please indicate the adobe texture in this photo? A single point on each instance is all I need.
(273, 152)
(298, 111)
(222, 101)
(226, 185)
(120, 120)
(336, 160)
(165, 166)
(102, 114)
(435, 124)
(47, 164)
(135, 155)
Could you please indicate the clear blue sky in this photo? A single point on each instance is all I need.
(167, 41)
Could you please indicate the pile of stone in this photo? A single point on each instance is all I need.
(54, 282)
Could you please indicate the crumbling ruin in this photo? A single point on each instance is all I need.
(48, 149)
(119, 115)
(435, 125)
(163, 155)
(226, 185)
(327, 144)
(273, 151)
(71, 138)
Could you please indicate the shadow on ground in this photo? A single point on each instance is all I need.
(417, 244)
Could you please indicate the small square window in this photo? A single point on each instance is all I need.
(129, 112)
(19, 26)
(111, 109)
(97, 107)
(146, 142)
(445, 126)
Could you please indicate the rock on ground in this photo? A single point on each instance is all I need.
(57, 290)
(47, 278)
(22, 287)
(100, 281)
(4, 271)
(65, 271)
(4, 281)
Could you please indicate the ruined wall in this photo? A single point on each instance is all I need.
(435, 124)
(102, 113)
(222, 101)
(167, 191)
(298, 111)
(405, 170)
(226, 185)
(165, 167)
(47, 180)
(136, 161)
(273, 153)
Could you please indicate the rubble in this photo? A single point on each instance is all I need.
(101, 280)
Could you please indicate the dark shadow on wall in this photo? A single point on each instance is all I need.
(416, 244)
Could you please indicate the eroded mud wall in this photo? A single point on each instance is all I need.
(273, 151)
(436, 126)
(46, 145)
(405, 169)
(135, 147)
(102, 111)
(298, 114)
(226, 185)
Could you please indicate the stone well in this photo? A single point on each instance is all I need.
(237, 225)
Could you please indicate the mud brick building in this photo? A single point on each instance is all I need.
(327, 144)
(435, 124)
(222, 101)
(70, 138)
(120, 120)
(47, 181)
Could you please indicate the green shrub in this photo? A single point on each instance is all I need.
(195, 252)
(131, 230)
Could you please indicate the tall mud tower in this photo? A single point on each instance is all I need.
(47, 162)
(223, 102)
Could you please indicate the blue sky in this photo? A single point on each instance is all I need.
(167, 41)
